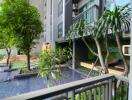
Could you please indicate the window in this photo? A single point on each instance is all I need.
(60, 7)
(89, 11)
(60, 30)
(90, 15)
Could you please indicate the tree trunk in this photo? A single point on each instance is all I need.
(90, 49)
(107, 54)
(100, 54)
(73, 55)
(8, 50)
(28, 61)
(121, 53)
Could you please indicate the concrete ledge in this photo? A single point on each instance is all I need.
(90, 66)
(25, 75)
(10, 70)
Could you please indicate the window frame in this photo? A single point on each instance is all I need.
(60, 30)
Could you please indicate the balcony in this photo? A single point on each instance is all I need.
(90, 15)
(104, 87)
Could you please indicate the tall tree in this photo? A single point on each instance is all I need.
(118, 21)
(82, 29)
(24, 20)
(96, 34)
(6, 42)
(6, 33)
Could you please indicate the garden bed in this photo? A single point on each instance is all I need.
(111, 70)
(21, 76)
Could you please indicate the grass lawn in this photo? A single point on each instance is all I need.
(19, 64)
(22, 66)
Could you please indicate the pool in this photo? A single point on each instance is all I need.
(24, 85)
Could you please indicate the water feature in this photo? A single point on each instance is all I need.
(28, 84)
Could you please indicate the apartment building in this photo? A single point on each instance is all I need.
(60, 14)
(58, 17)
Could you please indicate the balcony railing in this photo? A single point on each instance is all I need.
(90, 15)
(105, 87)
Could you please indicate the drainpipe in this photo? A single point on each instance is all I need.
(130, 75)
(73, 54)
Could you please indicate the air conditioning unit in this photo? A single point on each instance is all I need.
(126, 50)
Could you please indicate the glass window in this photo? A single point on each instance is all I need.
(60, 30)
(60, 7)
(89, 12)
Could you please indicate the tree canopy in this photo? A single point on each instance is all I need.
(23, 21)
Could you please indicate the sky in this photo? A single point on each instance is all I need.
(118, 3)
(122, 2)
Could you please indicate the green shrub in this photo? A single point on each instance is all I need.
(49, 59)
(19, 64)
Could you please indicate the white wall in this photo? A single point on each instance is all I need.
(13, 51)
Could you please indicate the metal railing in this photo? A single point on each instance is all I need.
(89, 16)
(93, 11)
(105, 87)
(121, 88)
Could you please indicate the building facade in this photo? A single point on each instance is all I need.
(59, 15)
(39, 4)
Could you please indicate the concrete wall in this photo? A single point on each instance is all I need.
(40, 6)
(13, 51)
(52, 20)
(60, 19)
(55, 19)
(68, 15)
(48, 20)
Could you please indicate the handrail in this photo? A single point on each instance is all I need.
(53, 91)
(82, 13)
(122, 78)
